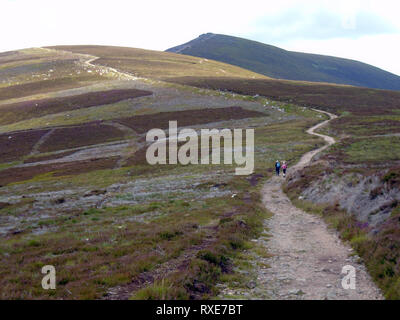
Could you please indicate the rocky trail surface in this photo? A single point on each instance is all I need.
(305, 258)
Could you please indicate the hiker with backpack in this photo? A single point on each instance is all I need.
(284, 167)
(277, 167)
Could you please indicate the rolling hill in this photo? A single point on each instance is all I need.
(281, 64)
(77, 192)
(155, 64)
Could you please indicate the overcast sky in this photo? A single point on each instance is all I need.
(365, 30)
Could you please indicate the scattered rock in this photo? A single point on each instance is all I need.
(296, 292)
(95, 193)
(219, 185)
(59, 201)
(251, 285)
(331, 296)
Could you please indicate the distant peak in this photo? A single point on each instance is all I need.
(206, 36)
(278, 63)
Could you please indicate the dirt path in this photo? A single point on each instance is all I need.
(307, 257)
(43, 139)
(133, 144)
(87, 61)
(122, 75)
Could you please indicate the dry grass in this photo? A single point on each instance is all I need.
(330, 97)
(46, 86)
(13, 146)
(15, 112)
(79, 136)
(159, 65)
(143, 123)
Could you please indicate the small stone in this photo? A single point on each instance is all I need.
(331, 296)
(251, 285)
(295, 292)
(59, 201)
(94, 193)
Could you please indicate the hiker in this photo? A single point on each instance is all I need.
(277, 167)
(284, 167)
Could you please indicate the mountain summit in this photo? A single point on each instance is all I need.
(282, 64)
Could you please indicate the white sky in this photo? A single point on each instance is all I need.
(365, 30)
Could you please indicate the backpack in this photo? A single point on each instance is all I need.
(284, 166)
(278, 165)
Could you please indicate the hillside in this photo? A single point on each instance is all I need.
(77, 192)
(355, 184)
(156, 64)
(281, 64)
(76, 189)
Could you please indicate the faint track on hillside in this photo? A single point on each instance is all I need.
(87, 60)
(43, 139)
(133, 143)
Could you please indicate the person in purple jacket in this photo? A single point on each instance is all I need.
(284, 168)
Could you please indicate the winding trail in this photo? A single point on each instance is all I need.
(87, 61)
(306, 257)
(123, 75)
(39, 143)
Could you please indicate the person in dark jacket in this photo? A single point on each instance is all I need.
(277, 167)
